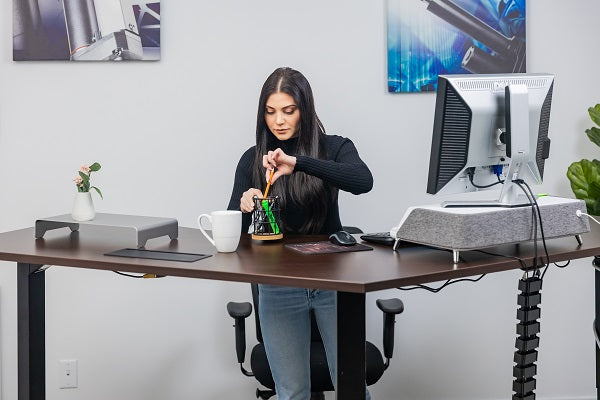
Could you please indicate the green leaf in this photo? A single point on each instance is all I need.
(584, 176)
(594, 190)
(85, 177)
(594, 135)
(593, 206)
(578, 182)
(95, 167)
(99, 192)
(595, 114)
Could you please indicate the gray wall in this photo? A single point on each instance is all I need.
(168, 136)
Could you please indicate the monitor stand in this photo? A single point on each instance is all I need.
(509, 198)
(463, 229)
(142, 228)
(518, 149)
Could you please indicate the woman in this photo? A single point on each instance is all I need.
(310, 167)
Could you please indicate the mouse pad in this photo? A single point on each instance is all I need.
(158, 255)
(325, 247)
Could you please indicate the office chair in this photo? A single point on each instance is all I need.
(319, 374)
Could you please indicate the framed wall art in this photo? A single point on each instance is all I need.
(86, 30)
(426, 38)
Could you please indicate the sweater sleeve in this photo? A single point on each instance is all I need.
(344, 170)
(241, 183)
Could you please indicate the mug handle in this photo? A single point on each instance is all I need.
(202, 229)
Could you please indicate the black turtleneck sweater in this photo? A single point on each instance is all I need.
(342, 169)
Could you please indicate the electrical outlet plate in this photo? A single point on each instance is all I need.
(67, 374)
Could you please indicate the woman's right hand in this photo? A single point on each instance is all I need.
(247, 200)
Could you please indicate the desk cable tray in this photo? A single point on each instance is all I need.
(142, 227)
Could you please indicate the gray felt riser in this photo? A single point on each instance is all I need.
(476, 228)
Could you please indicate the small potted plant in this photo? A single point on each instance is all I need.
(585, 174)
(83, 208)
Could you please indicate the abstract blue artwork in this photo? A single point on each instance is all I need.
(426, 38)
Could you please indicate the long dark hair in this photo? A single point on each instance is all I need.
(305, 190)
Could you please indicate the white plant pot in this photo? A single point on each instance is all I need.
(83, 208)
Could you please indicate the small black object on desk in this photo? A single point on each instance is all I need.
(379, 238)
(342, 238)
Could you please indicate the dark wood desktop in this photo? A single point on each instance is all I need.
(352, 274)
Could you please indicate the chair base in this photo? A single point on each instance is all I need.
(320, 379)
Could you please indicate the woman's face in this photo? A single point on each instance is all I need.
(282, 115)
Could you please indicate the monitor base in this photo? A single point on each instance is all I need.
(521, 202)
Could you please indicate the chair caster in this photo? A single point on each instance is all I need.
(264, 394)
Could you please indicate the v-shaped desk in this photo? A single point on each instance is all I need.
(352, 274)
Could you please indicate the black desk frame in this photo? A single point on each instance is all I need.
(31, 331)
(31, 293)
(351, 322)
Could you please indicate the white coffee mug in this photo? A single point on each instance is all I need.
(226, 229)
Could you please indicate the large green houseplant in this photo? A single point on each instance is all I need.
(585, 174)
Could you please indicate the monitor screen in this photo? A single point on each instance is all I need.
(489, 131)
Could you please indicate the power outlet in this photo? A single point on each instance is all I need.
(67, 374)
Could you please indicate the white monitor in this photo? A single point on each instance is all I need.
(490, 129)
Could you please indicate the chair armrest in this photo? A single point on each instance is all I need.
(390, 308)
(239, 312)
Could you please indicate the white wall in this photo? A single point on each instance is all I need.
(168, 136)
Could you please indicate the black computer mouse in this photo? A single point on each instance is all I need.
(342, 238)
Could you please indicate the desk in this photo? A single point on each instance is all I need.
(351, 274)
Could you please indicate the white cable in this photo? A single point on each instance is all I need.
(579, 214)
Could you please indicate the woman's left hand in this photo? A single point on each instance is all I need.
(283, 163)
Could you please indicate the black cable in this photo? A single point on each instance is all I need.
(531, 200)
(534, 226)
(520, 260)
(447, 283)
(564, 265)
(143, 276)
(543, 237)
(523, 266)
(539, 213)
(128, 275)
(535, 251)
(471, 172)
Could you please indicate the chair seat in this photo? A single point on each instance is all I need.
(319, 374)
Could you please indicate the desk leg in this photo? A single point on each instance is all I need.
(31, 332)
(351, 346)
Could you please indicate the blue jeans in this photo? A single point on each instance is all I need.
(285, 323)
